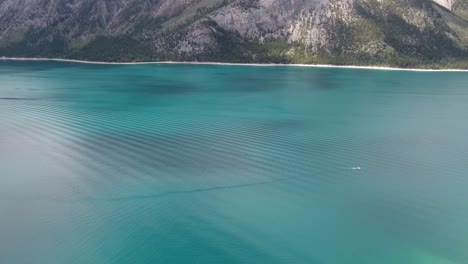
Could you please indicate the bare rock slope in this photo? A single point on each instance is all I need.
(412, 33)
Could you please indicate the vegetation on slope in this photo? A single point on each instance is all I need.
(411, 33)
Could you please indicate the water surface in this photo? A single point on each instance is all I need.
(231, 164)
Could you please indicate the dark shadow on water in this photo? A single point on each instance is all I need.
(170, 88)
(18, 99)
(324, 79)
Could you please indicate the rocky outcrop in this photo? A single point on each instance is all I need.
(315, 28)
(446, 3)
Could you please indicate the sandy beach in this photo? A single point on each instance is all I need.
(236, 64)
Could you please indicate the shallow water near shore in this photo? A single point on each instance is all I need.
(231, 164)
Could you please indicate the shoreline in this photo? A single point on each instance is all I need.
(235, 64)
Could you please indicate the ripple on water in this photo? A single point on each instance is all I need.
(218, 164)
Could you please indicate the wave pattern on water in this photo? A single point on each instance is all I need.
(211, 164)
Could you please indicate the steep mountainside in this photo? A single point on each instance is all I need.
(407, 33)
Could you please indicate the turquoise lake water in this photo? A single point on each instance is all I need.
(231, 164)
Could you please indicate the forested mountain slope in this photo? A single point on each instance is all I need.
(406, 33)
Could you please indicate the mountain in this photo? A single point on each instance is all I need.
(405, 33)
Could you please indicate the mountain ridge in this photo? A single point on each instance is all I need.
(409, 33)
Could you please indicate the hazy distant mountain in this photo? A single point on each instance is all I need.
(424, 33)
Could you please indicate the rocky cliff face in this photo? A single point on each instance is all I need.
(391, 32)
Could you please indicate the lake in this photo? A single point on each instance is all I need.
(231, 164)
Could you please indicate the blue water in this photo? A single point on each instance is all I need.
(231, 164)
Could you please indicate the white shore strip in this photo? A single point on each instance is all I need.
(237, 64)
